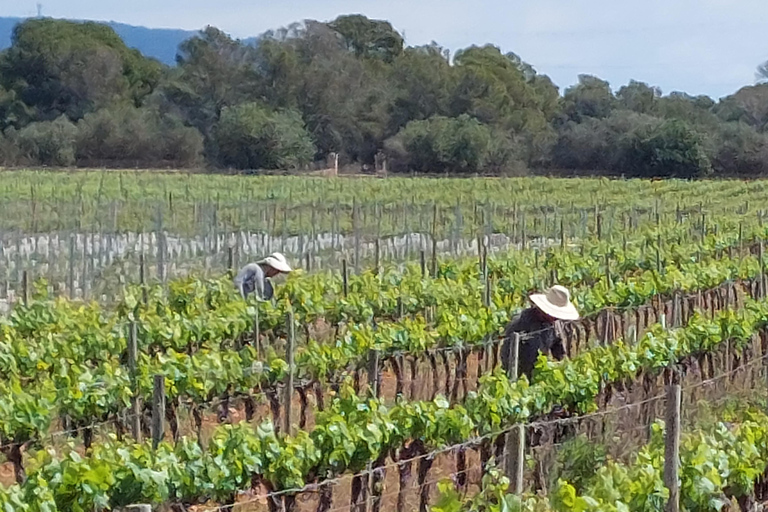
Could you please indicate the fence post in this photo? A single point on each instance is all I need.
(377, 256)
(672, 443)
(515, 438)
(423, 263)
(133, 356)
(291, 371)
(158, 411)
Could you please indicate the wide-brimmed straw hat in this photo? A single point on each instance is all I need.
(556, 302)
(277, 261)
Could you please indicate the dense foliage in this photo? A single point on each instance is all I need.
(352, 87)
(718, 463)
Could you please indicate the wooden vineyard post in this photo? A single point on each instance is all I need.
(373, 372)
(25, 287)
(291, 371)
(158, 411)
(599, 222)
(672, 443)
(765, 367)
(257, 334)
(658, 253)
(133, 357)
(231, 261)
(563, 241)
(344, 277)
(434, 241)
(71, 278)
(143, 278)
(423, 263)
(373, 384)
(515, 438)
(761, 278)
(377, 256)
(356, 227)
(741, 240)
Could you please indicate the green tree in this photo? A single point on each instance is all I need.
(591, 97)
(62, 67)
(369, 38)
(672, 149)
(249, 136)
(638, 97)
(423, 82)
(748, 105)
(214, 71)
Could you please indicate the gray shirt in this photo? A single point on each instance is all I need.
(251, 279)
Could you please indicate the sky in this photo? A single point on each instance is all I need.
(710, 47)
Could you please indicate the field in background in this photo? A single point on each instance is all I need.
(86, 233)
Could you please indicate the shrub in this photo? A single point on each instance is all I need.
(249, 136)
(737, 148)
(127, 135)
(46, 143)
(450, 145)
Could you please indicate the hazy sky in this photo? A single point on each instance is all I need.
(697, 46)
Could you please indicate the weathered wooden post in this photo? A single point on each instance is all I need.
(289, 379)
(25, 287)
(344, 276)
(158, 411)
(672, 443)
(515, 438)
(133, 357)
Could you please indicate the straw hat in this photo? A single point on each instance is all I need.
(277, 261)
(556, 303)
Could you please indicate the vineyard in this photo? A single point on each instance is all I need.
(132, 372)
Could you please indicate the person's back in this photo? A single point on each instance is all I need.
(538, 335)
(252, 280)
(539, 329)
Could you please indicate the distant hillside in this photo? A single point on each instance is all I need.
(160, 43)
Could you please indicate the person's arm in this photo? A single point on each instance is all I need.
(258, 285)
(558, 349)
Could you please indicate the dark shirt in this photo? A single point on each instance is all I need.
(539, 334)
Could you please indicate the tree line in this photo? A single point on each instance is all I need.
(73, 94)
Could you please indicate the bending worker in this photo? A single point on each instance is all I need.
(254, 278)
(540, 328)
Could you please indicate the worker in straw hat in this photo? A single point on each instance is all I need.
(255, 277)
(540, 328)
